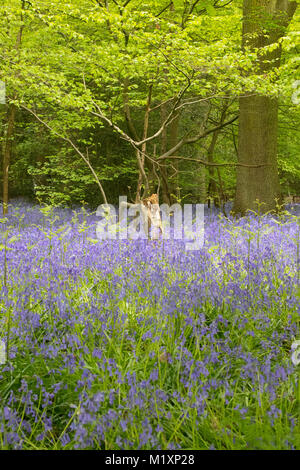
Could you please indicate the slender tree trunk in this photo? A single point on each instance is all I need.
(258, 122)
(166, 197)
(200, 181)
(165, 185)
(141, 154)
(212, 191)
(172, 141)
(7, 153)
(212, 185)
(153, 177)
(11, 117)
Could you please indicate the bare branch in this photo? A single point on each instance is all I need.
(164, 9)
(161, 104)
(172, 115)
(194, 139)
(204, 162)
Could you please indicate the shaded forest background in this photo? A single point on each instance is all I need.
(87, 80)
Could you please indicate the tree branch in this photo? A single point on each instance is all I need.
(204, 162)
(194, 139)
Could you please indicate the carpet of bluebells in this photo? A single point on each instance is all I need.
(140, 344)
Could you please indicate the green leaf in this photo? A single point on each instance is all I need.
(211, 11)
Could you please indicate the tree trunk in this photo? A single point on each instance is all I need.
(174, 180)
(258, 121)
(200, 180)
(7, 153)
(212, 185)
(11, 117)
(166, 197)
(212, 190)
(141, 154)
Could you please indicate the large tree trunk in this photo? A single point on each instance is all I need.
(257, 146)
(258, 122)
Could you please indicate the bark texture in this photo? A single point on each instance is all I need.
(258, 121)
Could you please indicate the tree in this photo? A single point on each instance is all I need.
(11, 117)
(142, 67)
(264, 23)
